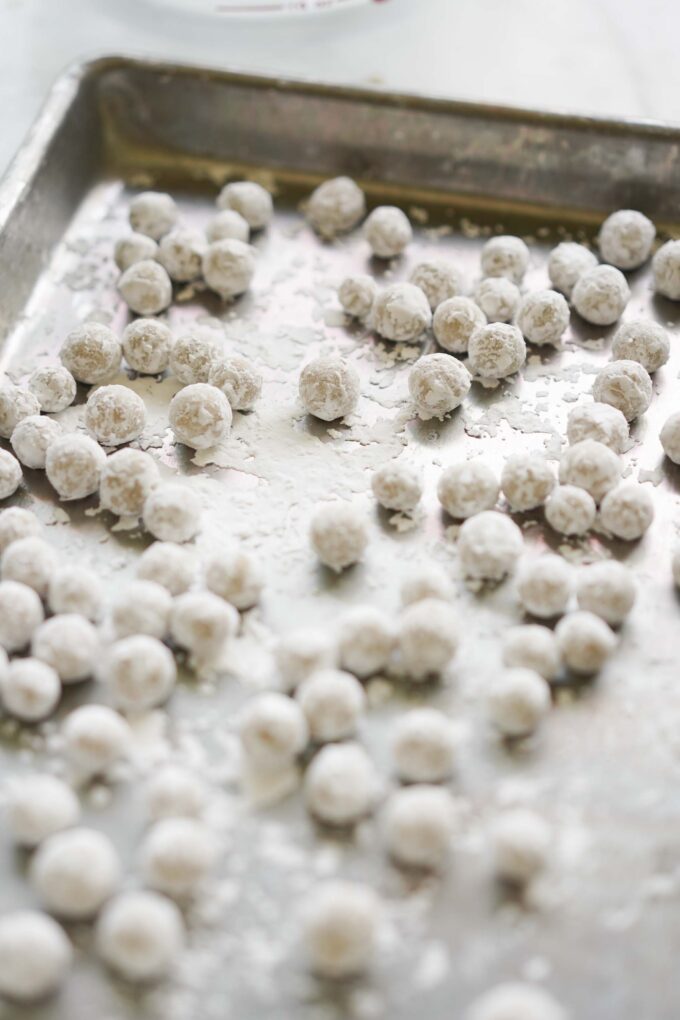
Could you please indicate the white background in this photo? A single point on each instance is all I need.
(618, 57)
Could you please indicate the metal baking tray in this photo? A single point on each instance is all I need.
(600, 931)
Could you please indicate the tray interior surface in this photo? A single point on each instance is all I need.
(600, 929)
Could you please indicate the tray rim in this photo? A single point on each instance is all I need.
(18, 177)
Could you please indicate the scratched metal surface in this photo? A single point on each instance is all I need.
(600, 929)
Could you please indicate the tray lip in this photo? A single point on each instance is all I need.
(18, 177)
(90, 68)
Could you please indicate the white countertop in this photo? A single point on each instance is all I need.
(594, 56)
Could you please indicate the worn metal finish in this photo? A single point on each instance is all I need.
(600, 931)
